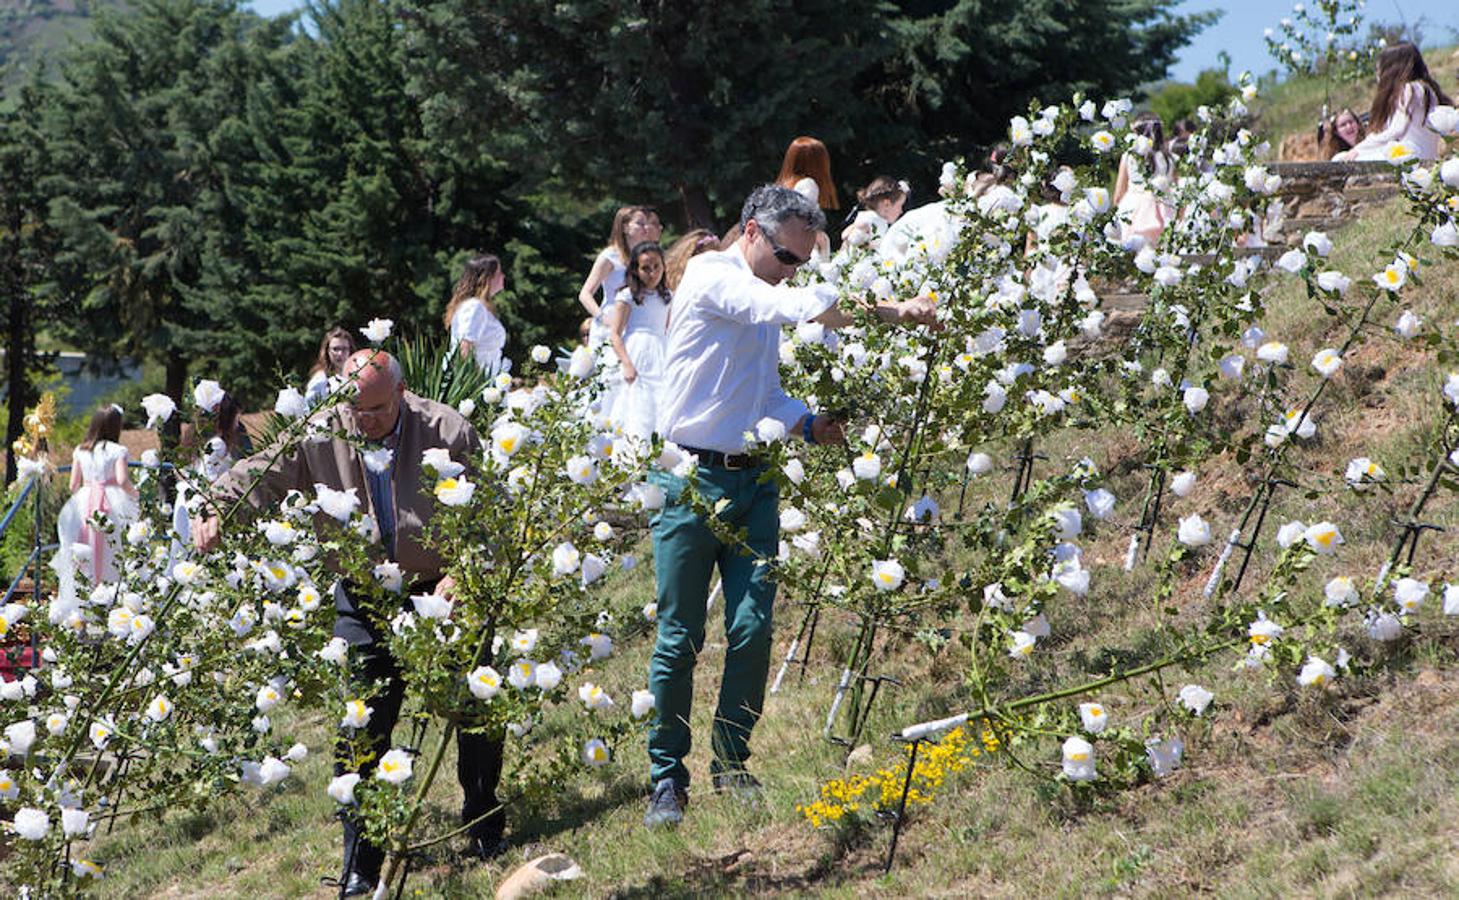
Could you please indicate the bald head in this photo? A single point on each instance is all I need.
(379, 386)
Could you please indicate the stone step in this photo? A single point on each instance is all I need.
(1322, 171)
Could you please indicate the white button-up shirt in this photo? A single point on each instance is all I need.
(723, 369)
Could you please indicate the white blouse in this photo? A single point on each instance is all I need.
(473, 322)
(1407, 124)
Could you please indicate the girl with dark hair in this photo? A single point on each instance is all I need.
(882, 202)
(1145, 174)
(1340, 133)
(638, 326)
(1406, 94)
(632, 225)
(471, 314)
(101, 491)
(336, 347)
(229, 443)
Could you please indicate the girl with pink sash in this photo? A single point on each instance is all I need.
(100, 488)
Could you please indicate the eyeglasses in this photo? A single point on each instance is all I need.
(784, 256)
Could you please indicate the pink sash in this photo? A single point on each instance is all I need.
(96, 501)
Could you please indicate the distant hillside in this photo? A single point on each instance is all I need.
(32, 29)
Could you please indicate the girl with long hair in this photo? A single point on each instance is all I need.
(471, 315)
(1340, 133)
(229, 442)
(882, 202)
(1406, 94)
(806, 169)
(101, 492)
(638, 325)
(632, 225)
(334, 349)
(1145, 173)
(676, 259)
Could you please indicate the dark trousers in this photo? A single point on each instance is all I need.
(478, 759)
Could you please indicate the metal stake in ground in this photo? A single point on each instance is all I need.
(901, 813)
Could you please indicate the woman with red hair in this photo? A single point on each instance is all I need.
(806, 169)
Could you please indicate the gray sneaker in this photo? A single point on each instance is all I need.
(666, 804)
(741, 785)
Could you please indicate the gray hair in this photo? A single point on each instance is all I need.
(771, 205)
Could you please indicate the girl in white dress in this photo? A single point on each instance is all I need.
(324, 377)
(100, 487)
(638, 323)
(1406, 94)
(471, 316)
(632, 225)
(882, 203)
(1144, 177)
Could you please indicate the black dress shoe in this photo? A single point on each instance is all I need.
(358, 885)
(485, 847)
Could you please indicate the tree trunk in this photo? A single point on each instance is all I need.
(697, 211)
(17, 357)
(176, 380)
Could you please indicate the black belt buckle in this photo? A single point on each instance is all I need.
(736, 461)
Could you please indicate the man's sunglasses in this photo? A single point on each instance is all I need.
(784, 256)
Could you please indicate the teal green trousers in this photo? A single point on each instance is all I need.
(686, 552)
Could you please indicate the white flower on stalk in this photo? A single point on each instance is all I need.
(867, 466)
(1449, 172)
(1451, 599)
(547, 676)
(565, 559)
(484, 682)
(378, 460)
(1401, 153)
(1340, 592)
(1099, 502)
(377, 330)
(1409, 594)
(1079, 760)
(1445, 235)
(593, 697)
(1193, 531)
(643, 704)
(1068, 523)
(1195, 399)
(454, 491)
(338, 504)
(1019, 132)
(1444, 119)
(887, 574)
(207, 394)
(1361, 472)
(1094, 717)
(1263, 631)
(506, 439)
(1072, 577)
(395, 767)
(266, 699)
(31, 824)
(1292, 261)
(291, 404)
(1323, 538)
(1408, 325)
(522, 674)
(649, 496)
(1021, 645)
(525, 640)
(593, 567)
(1393, 277)
(600, 646)
(1316, 673)
(1195, 698)
(1232, 366)
(342, 788)
(159, 709)
(1334, 281)
(1164, 755)
(979, 464)
(1183, 483)
(1318, 242)
(581, 363)
(541, 354)
(20, 736)
(596, 753)
(792, 520)
(768, 430)
(1327, 362)
(336, 651)
(1383, 626)
(390, 576)
(159, 408)
(1273, 352)
(431, 606)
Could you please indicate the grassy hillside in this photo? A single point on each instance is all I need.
(1282, 793)
(34, 30)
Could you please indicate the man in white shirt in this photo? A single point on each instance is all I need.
(722, 377)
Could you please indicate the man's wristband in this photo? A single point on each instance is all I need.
(805, 429)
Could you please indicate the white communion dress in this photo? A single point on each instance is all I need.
(635, 406)
(1407, 125)
(84, 546)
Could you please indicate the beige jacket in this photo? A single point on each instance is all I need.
(334, 463)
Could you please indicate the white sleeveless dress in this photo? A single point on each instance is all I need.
(635, 406)
(82, 546)
(473, 322)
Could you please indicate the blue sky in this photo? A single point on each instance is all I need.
(1238, 33)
